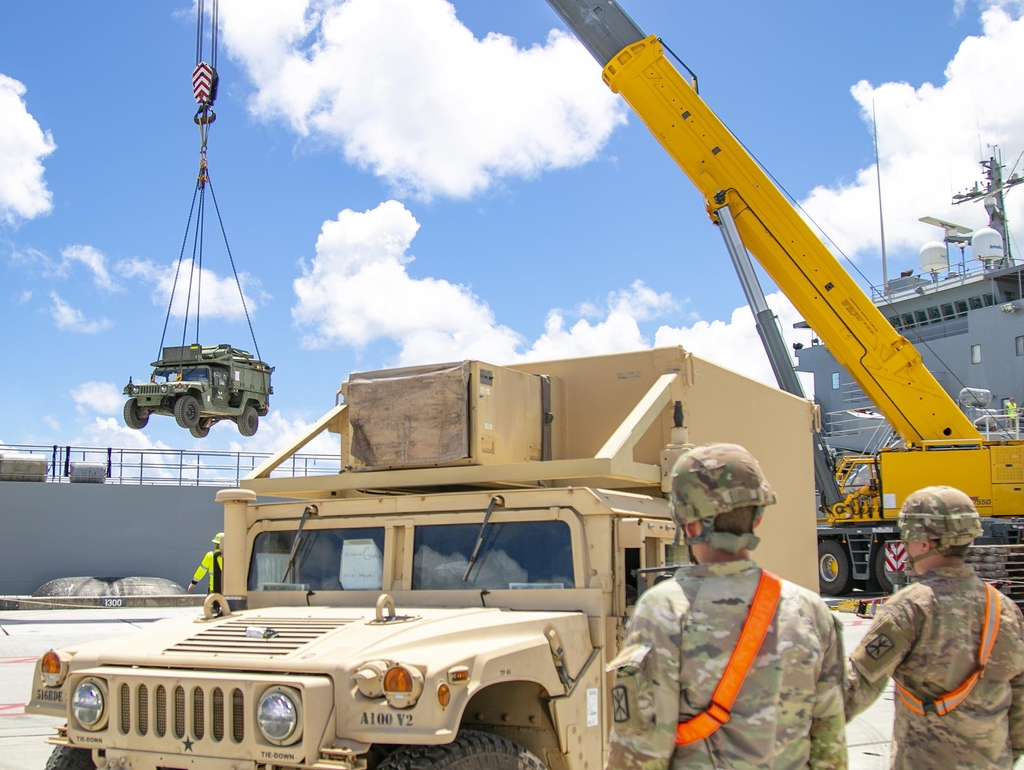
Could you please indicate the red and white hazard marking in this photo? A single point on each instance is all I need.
(202, 82)
(895, 556)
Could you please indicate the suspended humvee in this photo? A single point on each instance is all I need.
(200, 386)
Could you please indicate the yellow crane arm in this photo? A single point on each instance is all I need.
(884, 363)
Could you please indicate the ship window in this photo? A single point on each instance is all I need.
(514, 554)
(961, 307)
(975, 303)
(895, 321)
(922, 317)
(934, 314)
(1010, 296)
(327, 560)
(975, 354)
(990, 300)
(947, 311)
(908, 320)
(835, 380)
(1020, 346)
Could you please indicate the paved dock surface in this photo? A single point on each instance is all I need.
(28, 634)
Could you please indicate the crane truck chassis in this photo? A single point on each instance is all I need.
(456, 592)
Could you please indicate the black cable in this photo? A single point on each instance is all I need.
(181, 256)
(201, 227)
(199, 32)
(192, 270)
(238, 283)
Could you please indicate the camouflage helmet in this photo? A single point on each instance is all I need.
(715, 479)
(944, 514)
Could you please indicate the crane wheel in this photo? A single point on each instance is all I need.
(834, 571)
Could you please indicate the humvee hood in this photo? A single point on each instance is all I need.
(306, 639)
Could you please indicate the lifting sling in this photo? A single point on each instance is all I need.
(755, 628)
(950, 700)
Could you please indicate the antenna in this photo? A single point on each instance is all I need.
(881, 219)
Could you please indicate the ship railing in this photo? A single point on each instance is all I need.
(57, 464)
(1000, 425)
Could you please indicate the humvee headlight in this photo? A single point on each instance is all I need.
(52, 669)
(402, 686)
(278, 715)
(135, 389)
(87, 704)
(163, 388)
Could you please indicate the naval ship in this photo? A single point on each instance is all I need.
(964, 312)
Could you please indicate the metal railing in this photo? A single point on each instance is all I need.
(167, 467)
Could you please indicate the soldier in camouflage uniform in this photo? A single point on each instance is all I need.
(927, 638)
(789, 711)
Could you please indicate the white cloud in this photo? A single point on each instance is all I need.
(23, 145)
(928, 145)
(108, 431)
(92, 259)
(363, 257)
(68, 318)
(98, 397)
(407, 91)
(51, 422)
(219, 296)
(25, 296)
(735, 344)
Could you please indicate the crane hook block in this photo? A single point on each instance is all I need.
(204, 84)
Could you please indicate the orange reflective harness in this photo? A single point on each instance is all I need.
(950, 700)
(755, 628)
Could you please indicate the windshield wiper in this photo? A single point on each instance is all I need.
(496, 500)
(311, 510)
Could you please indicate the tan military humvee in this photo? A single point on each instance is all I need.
(454, 595)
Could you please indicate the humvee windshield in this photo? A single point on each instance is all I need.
(327, 560)
(516, 555)
(196, 374)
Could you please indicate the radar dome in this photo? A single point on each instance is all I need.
(934, 257)
(987, 245)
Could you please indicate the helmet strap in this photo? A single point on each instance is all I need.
(720, 541)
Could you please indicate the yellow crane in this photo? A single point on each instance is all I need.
(941, 444)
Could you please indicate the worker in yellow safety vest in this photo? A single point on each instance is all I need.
(206, 565)
(1011, 413)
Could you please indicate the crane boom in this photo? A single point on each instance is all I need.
(884, 363)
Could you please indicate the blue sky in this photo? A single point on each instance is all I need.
(405, 181)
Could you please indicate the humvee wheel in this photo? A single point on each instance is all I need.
(68, 758)
(248, 421)
(186, 411)
(470, 750)
(133, 416)
(200, 431)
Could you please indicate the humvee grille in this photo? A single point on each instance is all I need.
(238, 715)
(229, 636)
(218, 714)
(198, 714)
(199, 711)
(147, 390)
(179, 711)
(126, 709)
(161, 711)
(143, 709)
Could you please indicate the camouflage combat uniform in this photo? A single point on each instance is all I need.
(926, 637)
(789, 712)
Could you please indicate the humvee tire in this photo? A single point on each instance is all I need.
(248, 421)
(470, 750)
(68, 758)
(133, 416)
(186, 411)
(200, 431)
